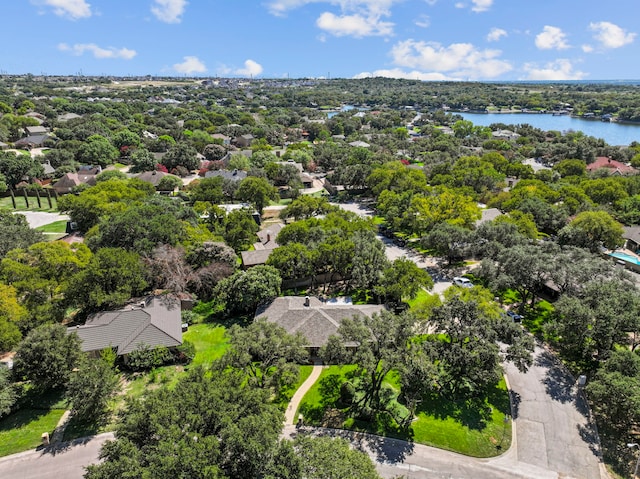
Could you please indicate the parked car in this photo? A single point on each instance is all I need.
(462, 282)
(515, 316)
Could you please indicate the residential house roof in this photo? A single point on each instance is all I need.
(255, 258)
(153, 177)
(631, 233)
(154, 322)
(488, 214)
(361, 144)
(36, 130)
(615, 167)
(268, 237)
(235, 175)
(317, 321)
(68, 116)
(68, 181)
(33, 140)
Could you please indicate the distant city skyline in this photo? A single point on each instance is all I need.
(490, 40)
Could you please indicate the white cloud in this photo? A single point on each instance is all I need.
(551, 38)
(611, 35)
(587, 48)
(496, 34)
(423, 21)
(169, 11)
(461, 60)
(460, 5)
(358, 18)
(412, 75)
(431, 2)
(481, 5)
(353, 25)
(190, 65)
(560, 69)
(251, 69)
(73, 9)
(98, 52)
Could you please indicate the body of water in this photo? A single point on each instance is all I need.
(613, 133)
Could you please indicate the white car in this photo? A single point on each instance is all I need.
(462, 282)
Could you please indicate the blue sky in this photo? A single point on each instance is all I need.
(418, 39)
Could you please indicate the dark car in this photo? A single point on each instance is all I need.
(515, 316)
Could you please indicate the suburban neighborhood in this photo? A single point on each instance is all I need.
(214, 278)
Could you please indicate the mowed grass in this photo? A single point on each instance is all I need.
(21, 204)
(23, 429)
(55, 227)
(209, 340)
(474, 428)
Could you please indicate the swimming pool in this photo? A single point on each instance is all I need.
(626, 257)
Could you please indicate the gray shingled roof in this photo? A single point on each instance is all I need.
(268, 236)
(315, 322)
(235, 175)
(254, 258)
(158, 323)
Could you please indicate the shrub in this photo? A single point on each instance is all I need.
(145, 357)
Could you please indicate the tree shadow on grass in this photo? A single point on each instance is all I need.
(473, 413)
(31, 407)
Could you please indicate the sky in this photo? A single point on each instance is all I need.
(494, 40)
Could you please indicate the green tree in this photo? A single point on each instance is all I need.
(592, 230)
(110, 175)
(181, 155)
(257, 191)
(243, 291)
(403, 279)
(91, 386)
(206, 189)
(16, 168)
(293, 261)
(15, 232)
(169, 183)
(266, 353)
(382, 340)
(12, 314)
(112, 277)
(448, 240)
(239, 229)
(7, 392)
(97, 150)
(142, 160)
(305, 207)
(47, 356)
(125, 139)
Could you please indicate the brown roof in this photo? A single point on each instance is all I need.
(157, 323)
(255, 258)
(613, 165)
(315, 322)
(68, 181)
(153, 177)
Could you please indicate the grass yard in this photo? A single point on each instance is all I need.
(286, 395)
(209, 340)
(23, 429)
(33, 203)
(476, 429)
(55, 227)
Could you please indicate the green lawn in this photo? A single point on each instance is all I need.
(209, 340)
(286, 395)
(23, 429)
(55, 227)
(33, 203)
(473, 428)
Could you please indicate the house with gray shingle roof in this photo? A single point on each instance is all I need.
(154, 322)
(316, 320)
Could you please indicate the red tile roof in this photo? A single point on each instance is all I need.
(605, 162)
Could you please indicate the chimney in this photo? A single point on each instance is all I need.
(306, 301)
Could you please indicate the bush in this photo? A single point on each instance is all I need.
(186, 352)
(144, 358)
(347, 393)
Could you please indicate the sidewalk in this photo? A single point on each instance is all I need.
(290, 414)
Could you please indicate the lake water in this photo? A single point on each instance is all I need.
(612, 133)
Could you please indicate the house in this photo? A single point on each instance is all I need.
(235, 175)
(226, 140)
(632, 236)
(68, 116)
(155, 321)
(36, 130)
(153, 177)
(244, 141)
(263, 248)
(316, 320)
(69, 181)
(614, 167)
(33, 141)
(506, 135)
(360, 144)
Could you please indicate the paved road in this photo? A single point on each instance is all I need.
(64, 462)
(41, 218)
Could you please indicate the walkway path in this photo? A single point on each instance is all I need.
(290, 414)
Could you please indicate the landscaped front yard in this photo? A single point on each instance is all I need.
(476, 429)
